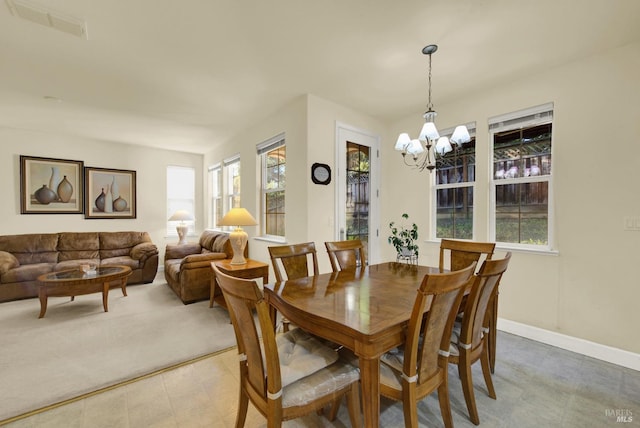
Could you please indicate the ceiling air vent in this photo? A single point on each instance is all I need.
(40, 15)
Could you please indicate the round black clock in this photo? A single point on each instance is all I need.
(321, 173)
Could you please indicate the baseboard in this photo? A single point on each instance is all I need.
(591, 349)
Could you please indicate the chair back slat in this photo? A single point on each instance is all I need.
(346, 254)
(425, 334)
(461, 254)
(292, 261)
(483, 288)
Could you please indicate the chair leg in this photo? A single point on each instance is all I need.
(464, 370)
(333, 411)
(486, 372)
(445, 404)
(409, 404)
(353, 404)
(243, 405)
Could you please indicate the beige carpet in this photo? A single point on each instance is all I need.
(78, 348)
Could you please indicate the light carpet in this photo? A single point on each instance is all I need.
(78, 348)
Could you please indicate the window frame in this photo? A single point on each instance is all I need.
(263, 149)
(228, 193)
(522, 119)
(216, 196)
(471, 127)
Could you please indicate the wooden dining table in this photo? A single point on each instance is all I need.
(365, 310)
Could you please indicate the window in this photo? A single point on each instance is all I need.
(521, 185)
(273, 156)
(454, 190)
(232, 182)
(215, 184)
(181, 184)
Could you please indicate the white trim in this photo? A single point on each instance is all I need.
(574, 344)
(344, 132)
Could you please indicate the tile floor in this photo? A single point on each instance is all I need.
(537, 386)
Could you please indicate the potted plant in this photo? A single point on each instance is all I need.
(403, 239)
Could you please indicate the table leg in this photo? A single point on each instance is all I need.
(105, 296)
(42, 295)
(370, 384)
(123, 285)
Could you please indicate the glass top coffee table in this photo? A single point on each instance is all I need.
(75, 282)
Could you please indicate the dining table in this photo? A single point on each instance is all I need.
(365, 309)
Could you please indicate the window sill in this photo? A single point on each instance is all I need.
(270, 239)
(504, 247)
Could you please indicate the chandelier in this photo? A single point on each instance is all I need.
(421, 152)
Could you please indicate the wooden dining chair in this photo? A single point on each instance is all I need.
(469, 337)
(410, 373)
(284, 376)
(292, 262)
(346, 254)
(456, 254)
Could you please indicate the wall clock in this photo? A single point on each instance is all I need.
(321, 173)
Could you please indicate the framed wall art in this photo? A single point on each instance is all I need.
(109, 193)
(51, 186)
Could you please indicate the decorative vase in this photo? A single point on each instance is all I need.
(65, 190)
(55, 180)
(108, 200)
(44, 195)
(115, 190)
(100, 201)
(119, 205)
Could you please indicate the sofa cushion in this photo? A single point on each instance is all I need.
(143, 250)
(172, 269)
(29, 272)
(208, 238)
(115, 244)
(220, 243)
(121, 260)
(31, 248)
(76, 246)
(7, 262)
(75, 264)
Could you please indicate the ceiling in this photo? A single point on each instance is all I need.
(187, 75)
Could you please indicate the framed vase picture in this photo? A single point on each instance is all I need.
(109, 193)
(51, 186)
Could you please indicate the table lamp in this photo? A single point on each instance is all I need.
(181, 228)
(238, 217)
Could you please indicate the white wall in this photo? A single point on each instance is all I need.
(590, 289)
(149, 164)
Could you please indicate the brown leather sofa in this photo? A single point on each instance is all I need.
(187, 267)
(25, 257)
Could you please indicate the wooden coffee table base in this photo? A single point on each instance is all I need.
(77, 286)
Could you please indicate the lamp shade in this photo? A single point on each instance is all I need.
(237, 217)
(429, 132)
(460, 135)
(403, 142)
(181, 215)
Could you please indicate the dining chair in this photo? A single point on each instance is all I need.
(285, 376)
(412, 372)
(292, 262)
(469, 339)
(346, 254)
(456, 254)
